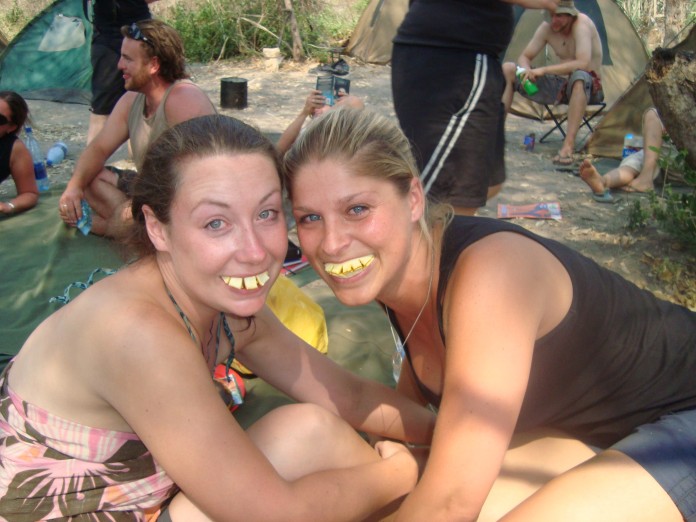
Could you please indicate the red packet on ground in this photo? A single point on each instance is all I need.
(551, 210)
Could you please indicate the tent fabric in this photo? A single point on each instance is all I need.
(371, 41)
(50, 58)
(627, 113)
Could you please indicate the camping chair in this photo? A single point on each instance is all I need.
(558, 123)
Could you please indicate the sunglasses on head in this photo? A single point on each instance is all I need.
(4, 120)
(135, 33)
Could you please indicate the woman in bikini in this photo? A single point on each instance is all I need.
(563, 391)
(109, 409)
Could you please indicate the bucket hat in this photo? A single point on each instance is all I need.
(567, 7)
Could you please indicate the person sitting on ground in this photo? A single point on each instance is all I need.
(15, 158)
(637, 171)
(109, 407)
(159, 96)
(511, 335)
(315, 105)
(575, 81)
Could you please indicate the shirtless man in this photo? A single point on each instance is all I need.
(159, 95)
(574, 81)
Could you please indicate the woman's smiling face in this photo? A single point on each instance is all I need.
(355, 230)
(227, 236)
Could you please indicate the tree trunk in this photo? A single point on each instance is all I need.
(297, 53)
(676, 13)
(671, 80)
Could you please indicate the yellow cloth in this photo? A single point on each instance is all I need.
(299, 313)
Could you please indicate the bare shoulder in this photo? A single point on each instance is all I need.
(187, 100)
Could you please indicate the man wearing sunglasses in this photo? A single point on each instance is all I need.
(159, 95)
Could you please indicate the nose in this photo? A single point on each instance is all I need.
(251, 249)
(335, 238)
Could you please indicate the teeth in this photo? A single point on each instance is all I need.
(348, 268)
(247, 283)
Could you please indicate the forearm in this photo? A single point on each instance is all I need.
(352, 493)
(88, 166)
(291, 133)
(392, 415)
(563, 69)
(22, 202)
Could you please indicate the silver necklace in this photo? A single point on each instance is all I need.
(400, 352)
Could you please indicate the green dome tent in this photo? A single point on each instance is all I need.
(50, 58)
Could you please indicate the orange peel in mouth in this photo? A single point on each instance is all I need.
(247, 283)
(348, 268)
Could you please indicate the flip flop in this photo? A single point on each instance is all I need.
(564, 161)
(605, 197)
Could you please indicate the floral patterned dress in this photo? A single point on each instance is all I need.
(53, 468)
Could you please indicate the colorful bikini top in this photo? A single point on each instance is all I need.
(231, 386)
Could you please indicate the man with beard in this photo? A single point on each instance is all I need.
(159, 95)
(574, 81)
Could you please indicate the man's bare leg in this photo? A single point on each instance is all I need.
(652, 139)
(576, 110)
(509, 69)
(615, 178)
(111, 212)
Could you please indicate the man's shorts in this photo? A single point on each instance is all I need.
(107, 80)
(448, 102)
(634, 161)
(667, 450)
(554, 89)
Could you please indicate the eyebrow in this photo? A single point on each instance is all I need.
(224, 204)
(341, 202)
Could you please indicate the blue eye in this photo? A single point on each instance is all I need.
(309, 218)
(268, 214)
(215, 224)
(358, 209)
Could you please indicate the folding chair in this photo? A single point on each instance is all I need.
(585, 119)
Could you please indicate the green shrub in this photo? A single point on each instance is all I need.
(673, 211)
(213, 29)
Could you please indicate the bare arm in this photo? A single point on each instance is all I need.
(187, 101)
(488, 359)
(294, 367)
(22, 171)
(535, 46)
(315, 100)
(94, 157)
(195, 439)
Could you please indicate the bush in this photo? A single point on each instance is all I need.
(674, 212)
(217, 29)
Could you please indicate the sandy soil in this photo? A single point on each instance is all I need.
(276, 97)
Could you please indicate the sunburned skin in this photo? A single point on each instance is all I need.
(247, 283)
(348, 268)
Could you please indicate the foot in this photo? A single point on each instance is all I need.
(638, 187)
(565, 161)
(589, 174)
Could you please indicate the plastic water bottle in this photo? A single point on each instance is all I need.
(37, 157)
(631, 144)
(56, 153)
(529, 87)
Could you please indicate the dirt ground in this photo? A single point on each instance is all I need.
(276, 97)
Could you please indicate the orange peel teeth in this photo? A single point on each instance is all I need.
(348, 268)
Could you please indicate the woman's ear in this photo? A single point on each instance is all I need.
(156, 230)
(416, 199)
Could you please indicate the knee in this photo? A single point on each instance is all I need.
(509, 69)
(307, 421)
